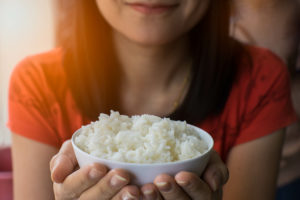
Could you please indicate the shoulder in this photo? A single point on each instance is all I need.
(261, 63)
(35, 90)
(263, 94)
(259, 102)
(38, 67)
(34, 65)
(261, 73)
(38, 78)
(262, 76)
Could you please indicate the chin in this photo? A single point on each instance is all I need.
(151, 41)
(152, 38)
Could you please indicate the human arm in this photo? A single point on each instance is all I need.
(32, 178)
(31, 169)
(253, 168)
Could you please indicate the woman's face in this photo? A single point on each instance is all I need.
(152, 22)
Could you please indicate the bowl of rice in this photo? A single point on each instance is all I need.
(144, 145)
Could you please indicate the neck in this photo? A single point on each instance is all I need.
(154, 68)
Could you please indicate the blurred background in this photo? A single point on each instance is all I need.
(26, 27)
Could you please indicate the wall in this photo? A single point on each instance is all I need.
(26, 27)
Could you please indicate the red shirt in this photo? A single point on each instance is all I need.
(41, 106)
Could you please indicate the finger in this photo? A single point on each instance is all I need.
(150, 192)
(63, 163)
(79, 181)
(169, 188)
(108, 186)
(216, 173)
(129, 192)
(193, 185)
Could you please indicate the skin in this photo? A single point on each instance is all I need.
(255, 21)
(82, 185)
(36, 172)
(253, 168)
(145, 45)
(254, 182)
(153, 53)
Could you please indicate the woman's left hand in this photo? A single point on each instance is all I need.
(187, 185)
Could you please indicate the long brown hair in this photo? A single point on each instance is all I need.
(93, 72)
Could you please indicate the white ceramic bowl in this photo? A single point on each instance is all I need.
(146, 173)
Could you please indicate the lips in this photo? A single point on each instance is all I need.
(152, 8)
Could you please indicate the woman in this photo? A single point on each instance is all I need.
(252, 22)
(167, 58)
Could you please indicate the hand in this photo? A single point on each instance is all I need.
(187, 185)
(90, 182)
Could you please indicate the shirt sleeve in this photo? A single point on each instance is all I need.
(268, 105)
(29, 104)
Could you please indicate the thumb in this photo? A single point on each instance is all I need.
(216, 173)
(63, 163)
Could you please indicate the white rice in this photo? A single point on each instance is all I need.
(140, 139)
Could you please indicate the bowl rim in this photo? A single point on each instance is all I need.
(199, 130)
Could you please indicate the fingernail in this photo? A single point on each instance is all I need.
(216, 182)
(150, 194)
(182, 183)
(118, 181)
(128, 196)
(94, 174)
(164, 186)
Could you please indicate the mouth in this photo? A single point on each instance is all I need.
(152, 8)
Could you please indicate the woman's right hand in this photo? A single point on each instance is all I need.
(90, 182)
